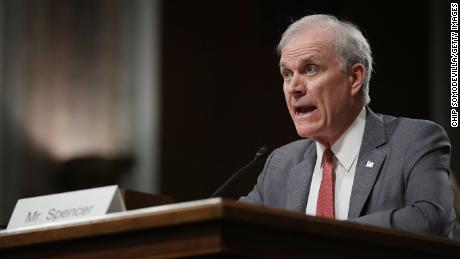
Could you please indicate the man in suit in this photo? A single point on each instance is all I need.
(354, 164)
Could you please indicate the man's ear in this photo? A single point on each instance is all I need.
(357, 75)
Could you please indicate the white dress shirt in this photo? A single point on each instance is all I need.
(346, 150)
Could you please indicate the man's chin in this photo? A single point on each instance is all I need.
(305, 132)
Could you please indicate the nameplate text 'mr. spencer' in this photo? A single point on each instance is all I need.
(64, 207)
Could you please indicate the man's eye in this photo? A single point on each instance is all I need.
(311, 69)
(286, 74)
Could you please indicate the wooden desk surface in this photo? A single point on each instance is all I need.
(219, 228)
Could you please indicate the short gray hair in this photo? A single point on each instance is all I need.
(350, 44)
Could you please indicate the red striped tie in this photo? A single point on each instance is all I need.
(325, 204)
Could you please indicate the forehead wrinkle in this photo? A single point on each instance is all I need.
(302, 50)
(305, 59)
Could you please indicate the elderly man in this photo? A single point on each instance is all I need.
(354, 164)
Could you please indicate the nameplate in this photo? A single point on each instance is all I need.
(68, 206)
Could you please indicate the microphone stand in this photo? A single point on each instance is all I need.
(262, 153)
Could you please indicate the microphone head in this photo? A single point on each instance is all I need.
(262, 153)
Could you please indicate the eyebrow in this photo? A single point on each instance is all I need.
(306, 59)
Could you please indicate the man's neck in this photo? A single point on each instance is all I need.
(329, 141)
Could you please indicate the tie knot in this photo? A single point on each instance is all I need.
(327, 155)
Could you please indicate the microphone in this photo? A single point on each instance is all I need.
(261, 154)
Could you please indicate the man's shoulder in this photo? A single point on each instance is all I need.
(406, 125)
(294, 151)
(409, 128)
(297, 146)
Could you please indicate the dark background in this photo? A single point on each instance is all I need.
(220, 95)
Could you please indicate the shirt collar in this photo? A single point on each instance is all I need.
(346, 148)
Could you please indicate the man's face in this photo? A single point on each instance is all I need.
(318, 95)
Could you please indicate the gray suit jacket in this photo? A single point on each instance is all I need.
(408, 187)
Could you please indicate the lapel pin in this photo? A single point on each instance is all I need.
(370, 164)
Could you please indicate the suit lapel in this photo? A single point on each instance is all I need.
(299, 181)
(369, 163)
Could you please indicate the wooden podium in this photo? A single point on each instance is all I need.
(219, 228)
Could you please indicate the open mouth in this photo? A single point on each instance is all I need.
(304, 110)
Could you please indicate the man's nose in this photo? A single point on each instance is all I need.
(296, 86)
